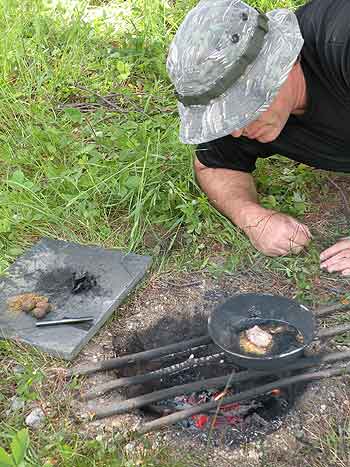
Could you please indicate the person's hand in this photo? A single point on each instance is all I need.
(337, 257)
(276, 234)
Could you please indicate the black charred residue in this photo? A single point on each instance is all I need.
(82, 282)
(63, 284)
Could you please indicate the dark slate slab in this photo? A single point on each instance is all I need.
(46, 269)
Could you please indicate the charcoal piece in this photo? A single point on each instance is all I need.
(82, 282)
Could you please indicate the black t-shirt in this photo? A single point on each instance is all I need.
(321, 136)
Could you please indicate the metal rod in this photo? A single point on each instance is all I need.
(218, 382)
(333, 331)
(126, 360)
(64, 321)
(103, 388)
(140, 401)
(203, 408)
(325, 311)
(161, 351)
(158, 374)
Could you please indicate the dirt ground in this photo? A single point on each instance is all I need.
(188, 299)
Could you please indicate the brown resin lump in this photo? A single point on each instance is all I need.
(37, 305)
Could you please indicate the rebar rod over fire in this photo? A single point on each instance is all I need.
(218, 382)
(119, 362)
(140, 379)
(147, 355)
(203, 408)
(328, 310)
(157, 374)
(333, 331)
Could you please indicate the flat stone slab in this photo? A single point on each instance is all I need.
(46, 269)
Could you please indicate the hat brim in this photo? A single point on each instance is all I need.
(254, 92)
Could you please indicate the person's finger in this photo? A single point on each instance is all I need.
(302, 230)
(296, 250)
(306, 231)
(274, 254)
(268, 250)
(336, 258)
(278, 252)
(346, 272)
(300, 239)
(340, 265)
(290, 247)
(295, 247)
(333, 250)
(269, 135)
(257, 131)
(237, 133)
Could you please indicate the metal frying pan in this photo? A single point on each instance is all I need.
(247, 310)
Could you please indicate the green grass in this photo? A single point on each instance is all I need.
(111, 172)
(105, 177)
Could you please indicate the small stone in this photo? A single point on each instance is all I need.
(18, 369)
(323, 407)
(16, 404)
(35, 418)
(130, 447)
(299, 435)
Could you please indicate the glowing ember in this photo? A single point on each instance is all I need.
(220, 396)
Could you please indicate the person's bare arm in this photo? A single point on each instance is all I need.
(234, 194)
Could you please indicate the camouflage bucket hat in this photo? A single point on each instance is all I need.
(227, 63)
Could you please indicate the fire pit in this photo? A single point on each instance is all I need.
(196, 385)
(232, 423)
